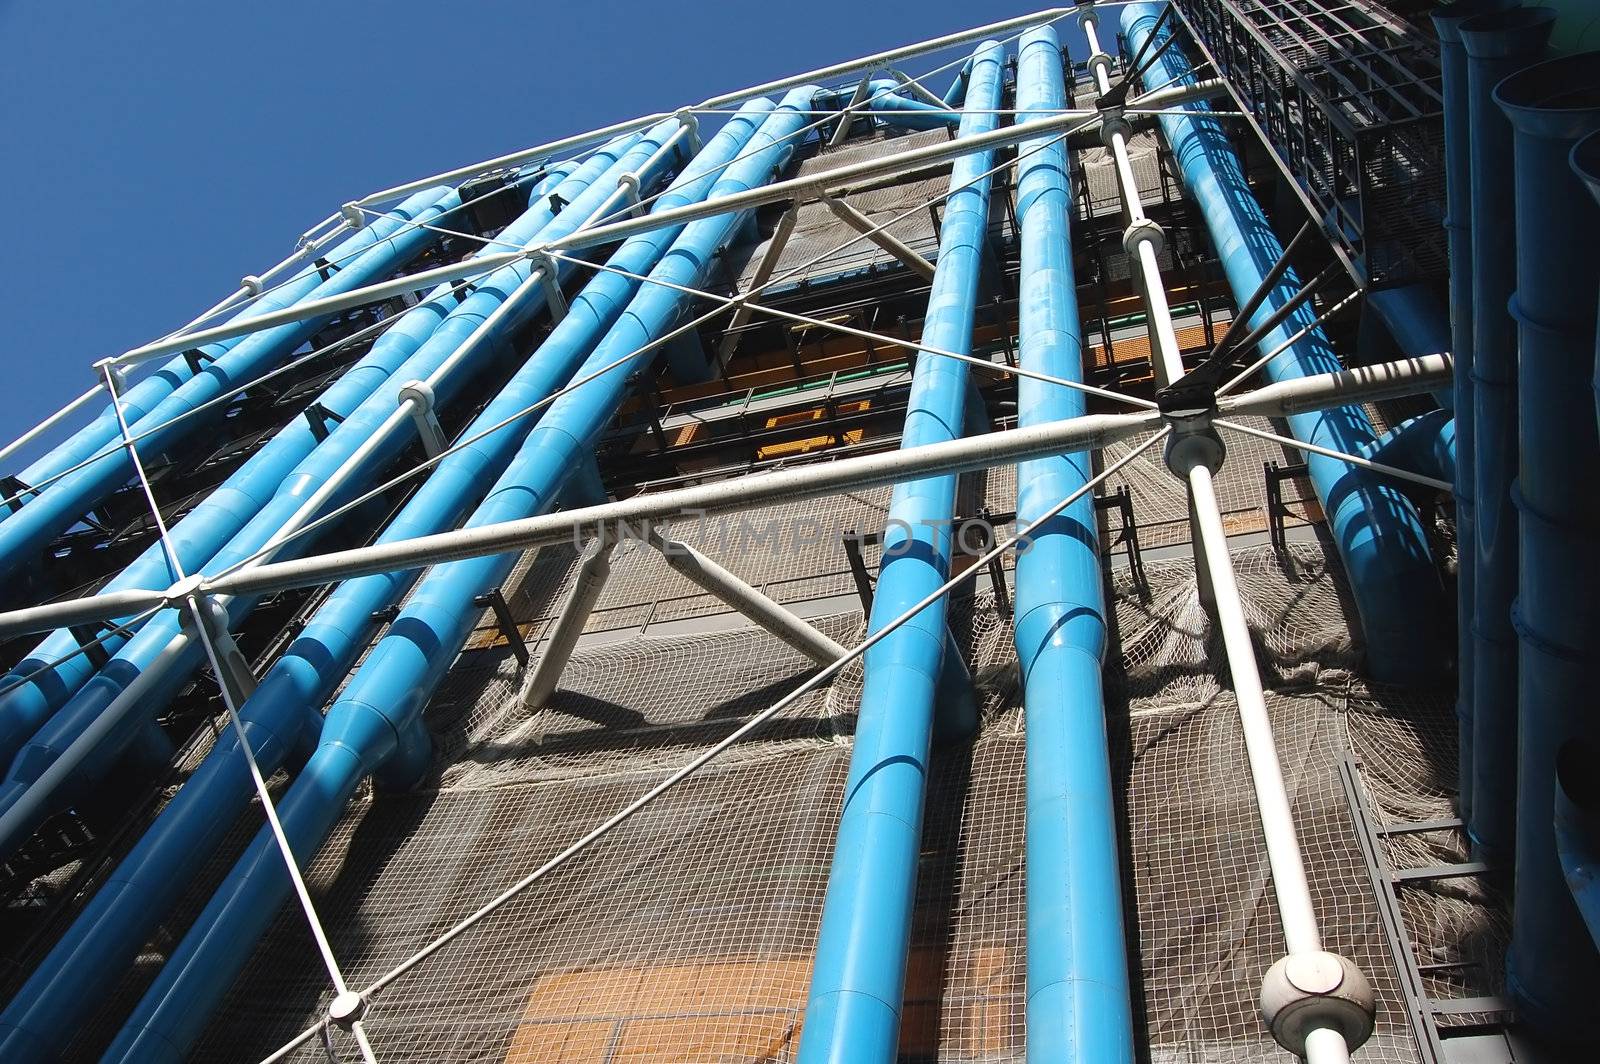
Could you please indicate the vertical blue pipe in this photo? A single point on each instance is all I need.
(25, 534)
(1457, 168)
(139, 398)
(1553, 969)
(583, 191)
(1496, 44)
(103, 941)
(858, 980)
(1377, 530)
(1079, 1008)
(1586, 164)
(375, 726)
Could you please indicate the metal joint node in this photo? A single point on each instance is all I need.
(690, 121)
(1304, 992)
(251, 284)
(1087, 15)
(1188, 410)
(1144, 231)
(352, 215)
(1100, 63)
(346, 1009)
(421, 399)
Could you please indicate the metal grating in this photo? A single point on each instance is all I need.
(1347, 98)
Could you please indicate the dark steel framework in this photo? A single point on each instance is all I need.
(1347, 96)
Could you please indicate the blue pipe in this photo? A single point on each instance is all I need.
(1378, 532)
(584, 191)
(1496, 45)
(376, 724)
(25, 534)
(1577, 830)
(1458, 231)
(30, 692)
(1424, 444)
(858, 981)
(1586, 164)
(141, 397)
(116, 922)
(1418, 325)
(956, 94)
(1553, 970)
(1079, 1003)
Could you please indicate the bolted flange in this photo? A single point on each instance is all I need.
(1305, 991)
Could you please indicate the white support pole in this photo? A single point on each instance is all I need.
(765, 611)
(764, 268)
(880, 236)
(50, 422)
(727, 496)
(564, 635)
(847, 117)
(810, 186)
(817, 76)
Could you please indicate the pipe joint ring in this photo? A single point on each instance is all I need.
(251, 284)
(1304, 992)
(1100, 63)
(629, 181)
(1088, 17)
(1145, 230)
(352, 215)
(418, 392)
(1194, 442)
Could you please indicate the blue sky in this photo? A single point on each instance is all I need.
(156, 152)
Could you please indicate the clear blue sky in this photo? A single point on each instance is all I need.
(156, 152)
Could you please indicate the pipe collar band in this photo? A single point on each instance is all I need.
(1088, 16)
(251, 284)
(1306, 991)
(418, 392)
(1193, 442)
(352, 215)
(1100, 63)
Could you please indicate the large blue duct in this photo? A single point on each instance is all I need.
(1496, 44)
(1586, 164)
(376, 725)
(1377, 530)
(1458, 231)
(1553, 969)
(584, 191)
(393, 241)
(31, 691)
(140, 397)
(1423, 444)
(1079, 1005)
(116, 922)
(858, 980)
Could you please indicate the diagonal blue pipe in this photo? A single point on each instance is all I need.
(1377, 530)
(1423, 444)
(1496, 44)
(32, 690)
(858, 979)
(1079, 1004)
(376, 725)
(583, 191)
(1553, 969)
(139, 398)
(105, 938)
(25, 534)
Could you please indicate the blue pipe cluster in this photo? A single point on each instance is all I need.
(392, 241)
(583, 191)
(1495, 44)
(278, 717)
(1079, 1002)
(140, 397)
(1377, 529)
(858, 980)
(376, 725)
(1553, 968)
